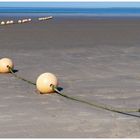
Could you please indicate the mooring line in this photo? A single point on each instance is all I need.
(95, 104)
(23, 79)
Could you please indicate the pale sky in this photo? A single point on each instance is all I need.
(70, 4)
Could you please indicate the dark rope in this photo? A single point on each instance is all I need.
(23, 79)
(95, 104)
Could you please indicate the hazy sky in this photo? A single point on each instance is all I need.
(70, 4)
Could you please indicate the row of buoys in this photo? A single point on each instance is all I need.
(7, 22)
(24, 20)
(45, 18)
(20, 21)
(43, 83)
(48, 83)
(12, 22)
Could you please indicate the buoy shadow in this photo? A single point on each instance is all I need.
(15, 70)
(60, 88)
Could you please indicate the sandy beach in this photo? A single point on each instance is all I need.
(93, 58)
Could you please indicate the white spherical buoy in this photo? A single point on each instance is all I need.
(24, 20)
(19, 21)
(11, 21)
(29, 19)
(4, 62)
(8, 22)
(2, 23)
(40, 19)
(45, 81)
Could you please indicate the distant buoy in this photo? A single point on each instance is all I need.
(44, 82)
(11, 21)
(2, 23)
(4, 62)
(40, 19)
(24, 20)
(8, 22)
(50, 17)
(19, 21)
(45, 18)
(29, 19)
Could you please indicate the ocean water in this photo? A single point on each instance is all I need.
(75, 11)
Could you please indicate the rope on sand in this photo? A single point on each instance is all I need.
(95, 104)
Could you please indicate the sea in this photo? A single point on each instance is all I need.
(74, 11)
(53, 11)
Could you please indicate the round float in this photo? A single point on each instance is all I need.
(4, 62)
(45, 81)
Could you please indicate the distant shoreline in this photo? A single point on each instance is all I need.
(36, 14)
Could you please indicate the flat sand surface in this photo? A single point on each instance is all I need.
(93, 58)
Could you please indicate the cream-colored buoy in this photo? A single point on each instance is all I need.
(24, 20)
(29, 19)
(4, 62)
(45, 81)
(8, 22)
(2, 23)
(11, 21)
(19, 21)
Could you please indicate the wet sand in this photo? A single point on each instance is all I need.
(94, 59)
